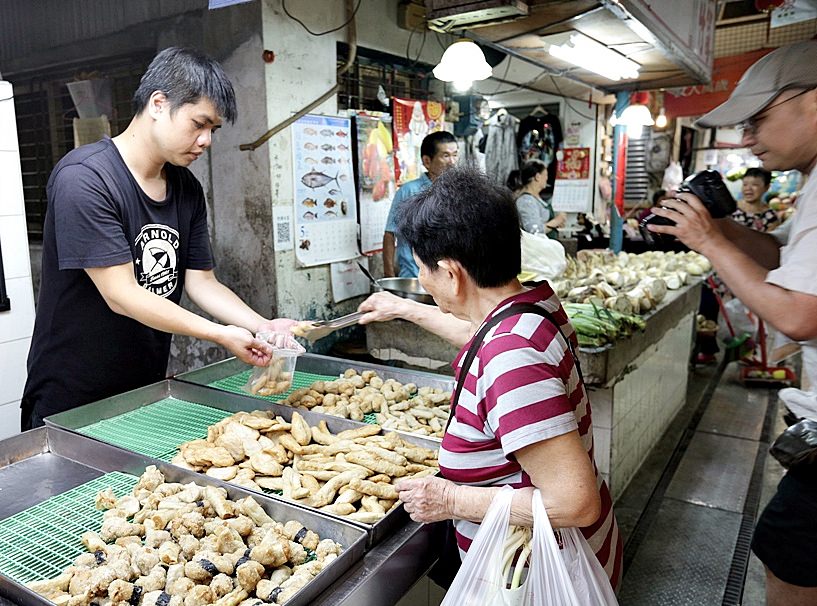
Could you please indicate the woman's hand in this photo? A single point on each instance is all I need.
(427, 499)
(382, 307)
(557, 221)
(282, 325)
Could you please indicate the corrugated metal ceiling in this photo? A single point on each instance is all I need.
(28, 27)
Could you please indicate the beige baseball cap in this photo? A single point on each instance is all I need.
(792, 66)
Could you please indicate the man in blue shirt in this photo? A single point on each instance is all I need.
(439, 153)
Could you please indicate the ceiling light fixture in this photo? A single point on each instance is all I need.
(636, 115)
(462, 63)
(661, 119)
(578, 49)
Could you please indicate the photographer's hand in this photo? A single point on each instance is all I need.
(694, 226)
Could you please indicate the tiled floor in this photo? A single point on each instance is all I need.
(683, 510)
(681, 514)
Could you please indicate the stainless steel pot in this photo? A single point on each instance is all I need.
(408, 288)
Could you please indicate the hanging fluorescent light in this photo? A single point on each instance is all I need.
(593, 56)
(462, 63)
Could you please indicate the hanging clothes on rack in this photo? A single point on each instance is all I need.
(538, 138)
(501, 155)
(472, 150)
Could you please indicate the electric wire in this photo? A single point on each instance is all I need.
(329, 31)
(567, 101)
(416, 60)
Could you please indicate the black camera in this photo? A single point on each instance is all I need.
(709, 188)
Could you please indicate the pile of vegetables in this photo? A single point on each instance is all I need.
(627, 283)
(596, 326)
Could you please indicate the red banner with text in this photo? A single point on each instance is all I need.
(696, 100)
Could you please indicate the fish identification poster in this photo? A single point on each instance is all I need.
(325, 197)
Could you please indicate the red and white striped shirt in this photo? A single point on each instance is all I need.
(521, 389)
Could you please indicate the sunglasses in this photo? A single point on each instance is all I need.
(749, 127)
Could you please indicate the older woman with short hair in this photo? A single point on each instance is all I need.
(523, 417)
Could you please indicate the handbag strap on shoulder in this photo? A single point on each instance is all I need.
(515, 309)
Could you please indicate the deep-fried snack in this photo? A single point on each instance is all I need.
(375, 463)
(300, 429)
(377, 489)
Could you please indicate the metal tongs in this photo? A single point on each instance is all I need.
(318, 330)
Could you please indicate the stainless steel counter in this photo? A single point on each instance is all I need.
(48, 461)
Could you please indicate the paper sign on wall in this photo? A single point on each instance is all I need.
(325, 199)
(347, 279)
(573, 190)
(375, 168)
(413, 120)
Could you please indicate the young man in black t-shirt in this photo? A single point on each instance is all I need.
(125, 234)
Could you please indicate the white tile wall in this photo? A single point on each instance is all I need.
(9, 420)
(19, 322)
(14, 241)
(13, 356)
(630, 417)
(8, 124)
(11, 190)
(16, 326)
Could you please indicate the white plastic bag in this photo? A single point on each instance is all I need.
(556, 577)
(543, 256)
(741, 319)
(673, 175)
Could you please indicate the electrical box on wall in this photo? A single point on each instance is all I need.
(411, 15)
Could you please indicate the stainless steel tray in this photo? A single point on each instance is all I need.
(324, 365)
(48, 461)
(78, 418)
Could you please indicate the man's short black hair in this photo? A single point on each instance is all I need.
(760, 173)
(429, 145)
(465, 217)
(185, 76)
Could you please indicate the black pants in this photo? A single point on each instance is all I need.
(29, 418)
(785, 538)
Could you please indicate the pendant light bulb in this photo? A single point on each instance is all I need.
(661, 119)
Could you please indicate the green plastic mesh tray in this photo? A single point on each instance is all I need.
(40, 542)
(234, 384)
(157, 430)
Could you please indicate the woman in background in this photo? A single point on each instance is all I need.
(535, 214)
(752, 210)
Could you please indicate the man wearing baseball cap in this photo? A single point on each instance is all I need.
(775, 107)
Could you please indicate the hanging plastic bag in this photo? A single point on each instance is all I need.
(742, 320)
(673, 175)
(556, 577)
(542, 256)
(276, 377)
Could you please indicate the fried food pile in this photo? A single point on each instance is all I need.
(406, 407)
(170, 544)
(349, 474)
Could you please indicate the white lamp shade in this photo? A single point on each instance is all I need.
(463, 61)
(636, 115)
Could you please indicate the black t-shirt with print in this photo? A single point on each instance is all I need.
(98, 216)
